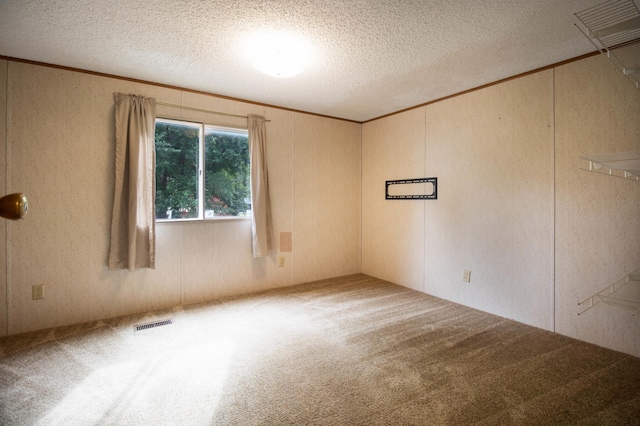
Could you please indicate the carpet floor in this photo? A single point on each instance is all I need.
(353, 350)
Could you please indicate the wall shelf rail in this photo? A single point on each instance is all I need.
(624, 294)
(614, 29)
(622, 164)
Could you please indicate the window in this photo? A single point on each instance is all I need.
(202, 171)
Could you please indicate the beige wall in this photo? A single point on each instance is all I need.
(393, 230)
(597, 217)
(327, 201)
(537, 234)
(492, 151)
(4, 314)
(61, 155)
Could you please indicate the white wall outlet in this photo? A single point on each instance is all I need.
(37, 291)
(281, 261)
(466, 277)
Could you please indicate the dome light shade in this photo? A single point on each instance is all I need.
(278, 55)
(14, 206)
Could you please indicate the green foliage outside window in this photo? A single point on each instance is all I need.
(226, 171)
(177, 147)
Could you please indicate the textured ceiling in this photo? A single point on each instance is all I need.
(368, 57)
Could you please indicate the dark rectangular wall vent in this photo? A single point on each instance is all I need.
(152, 325)
(409, 182)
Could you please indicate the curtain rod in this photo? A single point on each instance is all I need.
(202, 110)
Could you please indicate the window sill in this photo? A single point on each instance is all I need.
(208, 220)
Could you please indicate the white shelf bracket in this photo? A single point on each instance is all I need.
(613, 28)
(624, 165)
(624, 294)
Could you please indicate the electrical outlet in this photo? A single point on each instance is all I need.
(37, 291)
(281, 261)
(466, 277)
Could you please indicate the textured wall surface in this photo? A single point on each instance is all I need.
(3, 188)
(61, 142)
(393, 230)
(326, 237)
(537, 234)
(492, 151)
(597, 217)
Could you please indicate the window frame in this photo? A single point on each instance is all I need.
(203, 126)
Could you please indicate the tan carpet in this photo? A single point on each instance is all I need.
(349, 351)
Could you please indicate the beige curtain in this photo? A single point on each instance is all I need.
(133, 222)
(260, 202)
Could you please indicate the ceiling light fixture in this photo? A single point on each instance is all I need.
(278, 54)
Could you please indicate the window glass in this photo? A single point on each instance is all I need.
(201, 171)
(226, 161)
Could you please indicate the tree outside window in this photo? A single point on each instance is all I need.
(201, 171)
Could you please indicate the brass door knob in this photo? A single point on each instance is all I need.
(14, 206)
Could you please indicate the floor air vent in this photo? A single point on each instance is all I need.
(154, 324)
